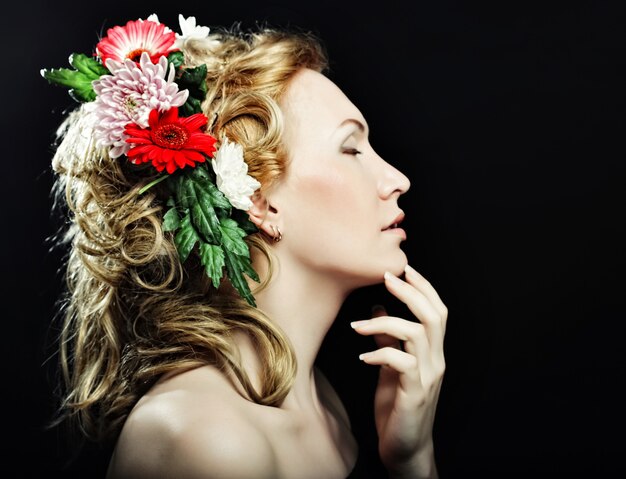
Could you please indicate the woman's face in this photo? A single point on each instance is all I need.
(338, 198)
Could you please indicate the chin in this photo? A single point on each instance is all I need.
(394, 265)
(375, 273)
(398, 266)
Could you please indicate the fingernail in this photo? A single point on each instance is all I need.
(365, 356)
(358, 324)
(391, 277)
(410, 270)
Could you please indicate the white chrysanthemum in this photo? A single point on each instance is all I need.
(189, 29)
(128, 95)
(232, 175)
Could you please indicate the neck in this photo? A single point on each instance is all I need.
(304, 305)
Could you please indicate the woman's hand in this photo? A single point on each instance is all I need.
(412, 367)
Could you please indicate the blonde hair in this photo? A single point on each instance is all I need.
(132, 312)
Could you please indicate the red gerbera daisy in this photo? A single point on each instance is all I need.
(136, 37)
(170, 142)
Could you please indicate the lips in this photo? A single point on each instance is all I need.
(396, 222)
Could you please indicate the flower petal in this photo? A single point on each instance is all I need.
(170, 116)
(195, 121)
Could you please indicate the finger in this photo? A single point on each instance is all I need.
(413, 334)
(421, 307)
(384, 340)
(413, 277)
(403, 363)
(423, 285)
(416, 300)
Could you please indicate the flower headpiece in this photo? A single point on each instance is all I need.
(143, 106)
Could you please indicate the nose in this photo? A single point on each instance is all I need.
(391, 181)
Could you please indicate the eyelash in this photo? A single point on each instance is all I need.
(352, 151)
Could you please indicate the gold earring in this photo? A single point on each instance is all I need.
(277, 234)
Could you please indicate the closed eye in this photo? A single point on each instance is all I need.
(352, 151)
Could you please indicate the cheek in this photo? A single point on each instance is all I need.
(329, 198)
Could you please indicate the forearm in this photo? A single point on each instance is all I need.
(421, 466)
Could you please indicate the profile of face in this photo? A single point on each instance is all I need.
(338, 201)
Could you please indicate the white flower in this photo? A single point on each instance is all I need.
(155, 18)
(128, 95)
(189, 29)
(232, 175)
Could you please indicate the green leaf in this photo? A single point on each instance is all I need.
(191, 106)
(220, 238)
(218, 199)
(232, 237)
(178, 186)
(235, 267)
(89, 66)
(171, 220)
(176, 58)
(79, 83)
(194, 80)
(79, 80)
(247, 268)
(212, 258)
(202, 213)
(243, 220)
(186, 238)
(205, 177)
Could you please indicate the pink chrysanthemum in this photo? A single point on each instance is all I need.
(134, 39)
(170, 142)
(128, 96)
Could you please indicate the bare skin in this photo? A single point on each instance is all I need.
(196, 424)
(334, 208)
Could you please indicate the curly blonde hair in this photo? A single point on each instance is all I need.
(132, 312)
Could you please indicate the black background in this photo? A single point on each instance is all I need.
(508, 117)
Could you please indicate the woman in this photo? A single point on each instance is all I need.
(195, 357)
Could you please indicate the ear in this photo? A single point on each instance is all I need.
(263, 214)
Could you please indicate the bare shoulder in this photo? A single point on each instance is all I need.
(192, 425)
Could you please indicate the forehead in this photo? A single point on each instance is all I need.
(314, 102)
